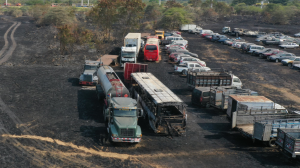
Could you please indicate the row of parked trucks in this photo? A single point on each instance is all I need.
(255, 117)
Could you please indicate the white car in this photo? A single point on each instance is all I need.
(184, 60)
(236, 43)
(297, 35)
(289, 45)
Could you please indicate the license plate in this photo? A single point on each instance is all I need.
(150, 59)
(150, 51)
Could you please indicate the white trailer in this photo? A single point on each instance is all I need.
(186, 27)
(130, 50)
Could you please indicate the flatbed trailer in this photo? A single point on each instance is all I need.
(289, 140)
(266, 130)
(165, 111)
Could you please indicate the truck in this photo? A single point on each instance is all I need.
(226, 30)
(215, 77)
(195, 31)
(237, 32)
(120, 111)
(289, 140)
(249, 114)
(184, 68)
(186, 27)
(160, 34)
(130, 50)
(164, 111)
(217, 96)
(89, 75)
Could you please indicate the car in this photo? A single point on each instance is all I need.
(184, 60)
(296, 63)
(267, 54)
(289, 62)
(174, 55)
(186, 52)
(281, 56)
(179, 45)
(297, 35)
(289, 45)
(258, 52)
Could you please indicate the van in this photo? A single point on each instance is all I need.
(205, 31)
(253, 48)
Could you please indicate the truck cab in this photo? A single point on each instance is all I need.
(226, 30)
(121, 119)
(89, 75)
(128, 54)
(160, 34)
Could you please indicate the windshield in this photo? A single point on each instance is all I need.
(125, 112)
(159, 33)
(130, 45)
(292, 59)
(89, 67)
(151, 47)
(236, 80)
(128, 54)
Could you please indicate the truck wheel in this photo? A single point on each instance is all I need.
(276, 60)
(272, 142)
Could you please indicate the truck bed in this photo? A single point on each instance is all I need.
(246, 130)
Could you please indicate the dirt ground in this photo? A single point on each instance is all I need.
(47, 120)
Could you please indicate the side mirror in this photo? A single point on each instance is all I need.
(141, 113)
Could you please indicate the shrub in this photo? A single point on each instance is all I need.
(58, 16)
(16, 13)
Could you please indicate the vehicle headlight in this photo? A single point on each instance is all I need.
(114, 135)
(140, 135)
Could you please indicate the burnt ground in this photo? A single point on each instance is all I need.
(47, 120)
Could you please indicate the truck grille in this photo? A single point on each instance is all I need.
(127, 132)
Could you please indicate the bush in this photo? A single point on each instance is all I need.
(16, 13)
(25, 10)
(58, 16)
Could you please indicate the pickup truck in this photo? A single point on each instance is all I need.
(189, 66)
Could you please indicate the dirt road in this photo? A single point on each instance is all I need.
(5, 52)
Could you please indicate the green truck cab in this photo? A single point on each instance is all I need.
(121, 120)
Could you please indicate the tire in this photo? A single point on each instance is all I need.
(184, 72)
(290, 65)
(272, 142)
(276, 60)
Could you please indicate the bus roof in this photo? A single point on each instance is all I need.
(156, 89)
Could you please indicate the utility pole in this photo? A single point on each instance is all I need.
(159, 2)
(211, 4)
(6, 3)
(88, 3)
(81, 3)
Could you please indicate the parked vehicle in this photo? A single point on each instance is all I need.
(217, 37)
(226, 30)
(185, 52)
(131, 49)
(267, 54)
(174, 46)
(297, 35)
(273, 41)
(120, 112)
(196, 30)
(236, 43)
(178, 39)
(281, 56)
(89, 75)
(217, 96)
(184, 60)
(289, 45)
(265, 50)
(245, 46)
(212, 78)
(209, 36)
(166, 113)
(266, 130)
(184, 68)
(289, 140)
(296, 63)
(254, 48)
(160, 34)
(202, 32)
(289, 62)
(170, 39)
(223, 39)
(174, 55)
(237, 32)
(130, 68)
(186, 27)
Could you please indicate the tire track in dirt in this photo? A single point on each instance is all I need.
(12, 48)
(38, 143)
(6, 44)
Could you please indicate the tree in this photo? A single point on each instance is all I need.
(195, 3)
(209, 13)
(283, 2)
(247, 2)
(154, 1)
(175, 17)
(223, 9)
(173, 4)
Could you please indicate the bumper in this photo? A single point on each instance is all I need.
(131, 140)
(284, 63)
(87, 83)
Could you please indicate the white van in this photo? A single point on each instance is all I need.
(255, 48)
(205, 31)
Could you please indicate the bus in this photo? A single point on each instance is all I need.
(151, 49)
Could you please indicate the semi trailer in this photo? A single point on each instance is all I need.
(165, 112)
(120, 111)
